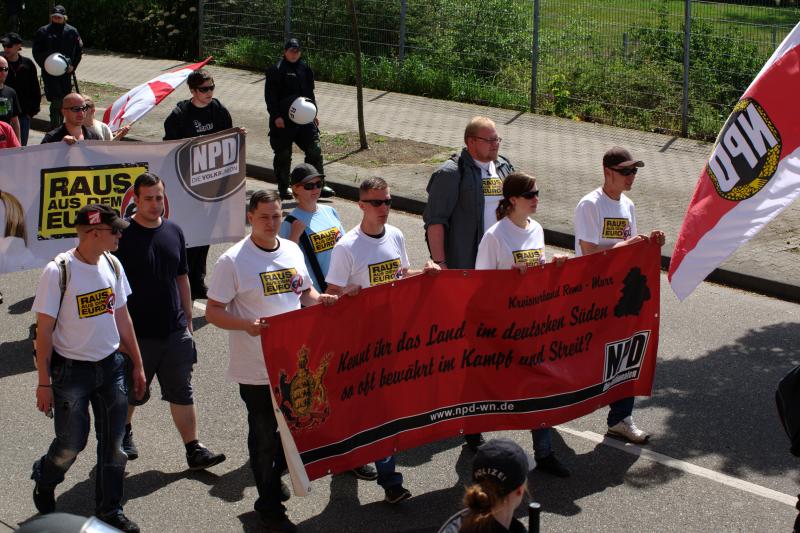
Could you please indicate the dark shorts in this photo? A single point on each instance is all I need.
(172, 359)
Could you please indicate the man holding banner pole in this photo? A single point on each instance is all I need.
(72, 130)
(604, 219)
(260, 276)
(371, 254)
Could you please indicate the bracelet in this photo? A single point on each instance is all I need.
(46, 386)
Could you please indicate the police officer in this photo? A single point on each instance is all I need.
(57, 37)
(287, 80)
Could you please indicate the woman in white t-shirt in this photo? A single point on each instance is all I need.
(517, 241)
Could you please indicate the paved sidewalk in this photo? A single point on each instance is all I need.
(564, 155)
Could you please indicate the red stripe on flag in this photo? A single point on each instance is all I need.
(160, 90)
(773, 92)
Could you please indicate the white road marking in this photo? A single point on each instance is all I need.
(689, 468)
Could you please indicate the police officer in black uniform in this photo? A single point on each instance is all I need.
(287, 80)
(57, 37)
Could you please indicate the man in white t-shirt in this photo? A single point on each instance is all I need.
(373, 253)
(79, 363)
(260, 276)
(604, 219)
(463, 195)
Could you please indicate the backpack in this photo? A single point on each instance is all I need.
(787, 398)
(62, 261)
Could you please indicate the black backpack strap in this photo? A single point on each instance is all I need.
(308, 249)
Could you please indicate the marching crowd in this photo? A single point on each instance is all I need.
(115, 312)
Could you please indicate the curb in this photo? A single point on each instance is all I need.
(553, 237)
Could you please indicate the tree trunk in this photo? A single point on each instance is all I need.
(362, 132)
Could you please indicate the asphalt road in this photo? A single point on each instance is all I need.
(718, 460)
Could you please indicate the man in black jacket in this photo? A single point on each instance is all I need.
(57, 37)
(23, 78)
(287, 80)
(72, 130)
(201, 115)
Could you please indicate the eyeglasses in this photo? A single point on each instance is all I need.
(528, 195)
(77, 109)
(114, 231)
(378, 203)
(314, 185)
(493, 140)
(3, 69)
(625, 171)
(206, 88)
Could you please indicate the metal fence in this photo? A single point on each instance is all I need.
(673, 66)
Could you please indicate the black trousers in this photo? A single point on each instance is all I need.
(196, 258)
(264, 445)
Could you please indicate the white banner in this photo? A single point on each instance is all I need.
(43, 186)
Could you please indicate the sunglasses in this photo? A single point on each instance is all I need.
(78, 109)
(378, 203)
(206, 88)
(528, 195)
(314, 185)
(3, 69)
(114, 231)
(625, 171)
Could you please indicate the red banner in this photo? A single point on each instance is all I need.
(466, 351)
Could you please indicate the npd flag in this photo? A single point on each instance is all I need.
(752, 175)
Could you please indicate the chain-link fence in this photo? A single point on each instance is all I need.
(619, 62)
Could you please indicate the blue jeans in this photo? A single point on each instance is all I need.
(24, 129)
(620, 410)
(76, 384)
(542, 442)
(387, 475)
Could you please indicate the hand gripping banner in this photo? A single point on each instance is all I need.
(465, 351)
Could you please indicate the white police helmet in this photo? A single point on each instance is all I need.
(56, 64)
(302, 111)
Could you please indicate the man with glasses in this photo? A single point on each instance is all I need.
(373, 253)
(463, 195)
(57, 37)
(285, 81)
(10, 109)
(81, 318)
(72, 130)
(604, 219)
(202, 114)
(23, 78)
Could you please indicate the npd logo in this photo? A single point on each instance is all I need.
(746, 154)
(624, 359)
(210, 168)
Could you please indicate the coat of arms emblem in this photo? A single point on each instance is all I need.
(303, 399)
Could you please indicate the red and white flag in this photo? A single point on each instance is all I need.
(752, 175)
(137, 102)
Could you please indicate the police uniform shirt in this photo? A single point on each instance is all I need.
(602, 221)
(506, 243)
(85, 326)
(368, 261)
(492, 193)
(254, 283)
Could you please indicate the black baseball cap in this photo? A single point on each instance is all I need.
(10, 39)
(93, 214)
(291, 43)
(502, 461)
(620, 157)
(59, 10)
(303, 173)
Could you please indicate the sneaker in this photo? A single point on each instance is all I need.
(366, 472)
(551, 465)
(128, 446)
(201, 458)
(327, 192)
(277, 522)
(396, 494)
(627, 430)
(474, 441)
(121, 522)
(44, 499)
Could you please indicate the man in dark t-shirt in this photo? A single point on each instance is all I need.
(201, 115)
(153, 252)
(10, 109)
